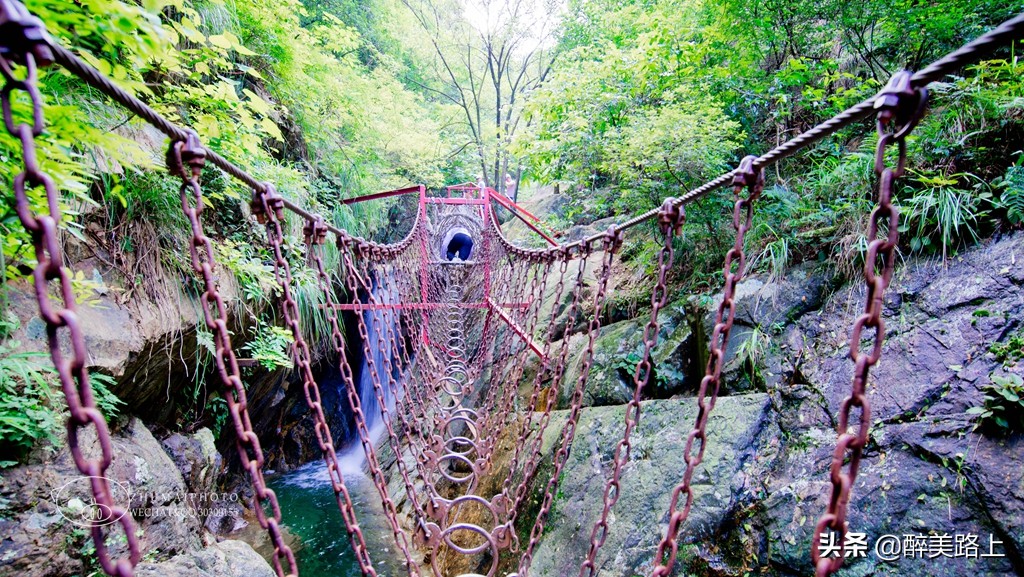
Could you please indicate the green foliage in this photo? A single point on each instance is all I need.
(255, 277)
(30, 402)
(27, 403)
(608, 126)
(1011, 199)
(1003, 407)
(626, 110)
(944, 212)
(271, 347)
(237, 73)
(1011, 351)
(752, 352)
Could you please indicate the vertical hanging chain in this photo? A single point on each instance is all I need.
(186, 159)
(750, 177)
(347, 246)
(268, 207)
(513, 493)
(315, 233)
(900, 107)
(670, 221)
(533, 452)
(23, 43)
(612, 242)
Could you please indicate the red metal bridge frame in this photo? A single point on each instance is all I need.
(460, 194)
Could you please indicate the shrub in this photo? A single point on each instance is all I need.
(1003, 407)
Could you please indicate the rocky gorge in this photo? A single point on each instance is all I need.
(763, 483)
(927, 471)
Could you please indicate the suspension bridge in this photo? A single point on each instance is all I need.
(455, 334)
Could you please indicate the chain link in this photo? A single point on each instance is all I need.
(670, 220)
(43, 228)
(186, 159)
(268, 208)
(612, 242)
(751, 178)
(899, 106)
(354, 282)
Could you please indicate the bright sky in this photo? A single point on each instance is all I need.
(538, 17)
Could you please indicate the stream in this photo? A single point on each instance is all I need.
(321, 541)
(322, 546)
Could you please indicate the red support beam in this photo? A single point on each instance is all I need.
(514, 209)
(424, 306)
(454, 200)
(516, 328)
(424, 259)
(379, 195)
(511, 205)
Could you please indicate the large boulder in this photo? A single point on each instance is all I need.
(197, 459)
(224, 559)
(926, 472)
(40, 505)
(725, 482)
(763, 310)
(617, 350)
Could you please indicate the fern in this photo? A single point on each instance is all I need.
(1012, 197)
(30, 407)
(26, 400)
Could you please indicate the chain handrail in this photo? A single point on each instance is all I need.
(185, 159)
(898, 107)
(43, 228)
(267, 207)
(751, 178)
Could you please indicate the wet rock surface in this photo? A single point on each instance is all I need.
(926, 471)
(638, 519)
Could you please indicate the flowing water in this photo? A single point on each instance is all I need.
(322, 546)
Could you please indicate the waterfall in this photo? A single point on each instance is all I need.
(379, 323)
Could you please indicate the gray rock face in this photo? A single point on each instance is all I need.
(149, 344)
(764, 483)
(618, 349)
(924, 470)
(224, 559)
(196, 457)
(640, 517)
(36, 514)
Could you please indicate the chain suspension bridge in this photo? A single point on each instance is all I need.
(453, 336)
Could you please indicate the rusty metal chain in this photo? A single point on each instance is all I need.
(899, 107)
(533, 457)
(347, 245)
(525, 429)
(751, 178)
(268, 208)
(186, 159)
(24, 46)
(670, 221)
(386, 342)
(612, 242)
(315, 234)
